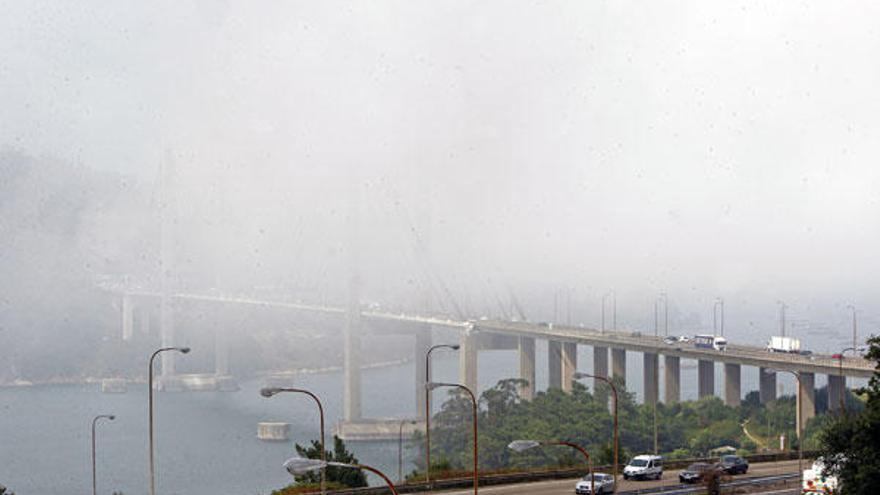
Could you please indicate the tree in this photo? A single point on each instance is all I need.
(850, 446)
(352, 478)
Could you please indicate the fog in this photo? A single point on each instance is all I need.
(468, 151)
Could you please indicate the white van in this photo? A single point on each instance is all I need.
(644, 467)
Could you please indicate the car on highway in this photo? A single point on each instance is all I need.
(644, 467)
(604, 483)
(696, 472)
(734, 464)
(670, 340)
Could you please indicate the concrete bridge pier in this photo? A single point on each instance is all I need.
(651, 377)
(527, 367)
(807, 395)
(767, 385)
(732, 384)
(705, 378)
(673, 379)
(421, 345)
(467, 360)
(836, 391)
(554, 364)
(618, 365)
(569, 365)
(600, 365)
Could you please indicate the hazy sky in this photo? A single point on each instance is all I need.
(702, 148)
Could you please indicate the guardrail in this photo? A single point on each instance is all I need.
(568, 473)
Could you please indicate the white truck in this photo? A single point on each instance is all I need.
(784, 344)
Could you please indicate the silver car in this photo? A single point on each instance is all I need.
(604, 483)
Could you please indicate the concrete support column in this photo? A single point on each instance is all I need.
(600, 364)
(421, 345)
(143, 321)
(127, 317)
(836, 391)
(767, 390)
(352, 368)
(651, 377)
(569, 365)
(807, 396)
(527, 367)
(673, 379)
(467, 361)
(618, 365)
(554, 364)
(705, 378)
(732, 387)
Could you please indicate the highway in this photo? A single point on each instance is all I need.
(670, 477)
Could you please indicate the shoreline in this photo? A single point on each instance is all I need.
(90, 380)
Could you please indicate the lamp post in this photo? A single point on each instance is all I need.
(431, 386)
(400, 448)
(782, 308)
(94, 464)
(719, 302)
(661, 297)
(453, 347)
(800, 436)
(523, 445)
(580, 375)
(301, 465)
(854, 324)
(182, 350)
(271, 391)
(613, 296)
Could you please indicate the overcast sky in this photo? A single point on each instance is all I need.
(703, 148)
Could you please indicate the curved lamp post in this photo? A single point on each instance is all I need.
(523, 445)
(94, 469)
(453, 347)
(431, 386)
(579, 376)
(182, 350)
(798, 413)
(301, 465)
(270, 391)
(400, 448)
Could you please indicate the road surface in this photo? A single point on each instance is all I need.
(670, 477)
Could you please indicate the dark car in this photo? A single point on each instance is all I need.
(695, 472)
(734, 464)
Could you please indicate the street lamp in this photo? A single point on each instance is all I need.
(661, 297)
(182, 350)
(839, 357)
(613, 296)
(854, 324)
(578, 376)
(523, 445)
(301, 465)
(94, 469)
(719, 302)
(799, 413)
(271, 391)
(431, 386)
(453, 347)
(400, 448)
(782, 308)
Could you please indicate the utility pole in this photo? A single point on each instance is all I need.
(782, 307)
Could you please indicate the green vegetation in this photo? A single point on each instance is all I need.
(337, 477)
(850, 444)
(685, 430)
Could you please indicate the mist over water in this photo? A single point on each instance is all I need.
(491, 160)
